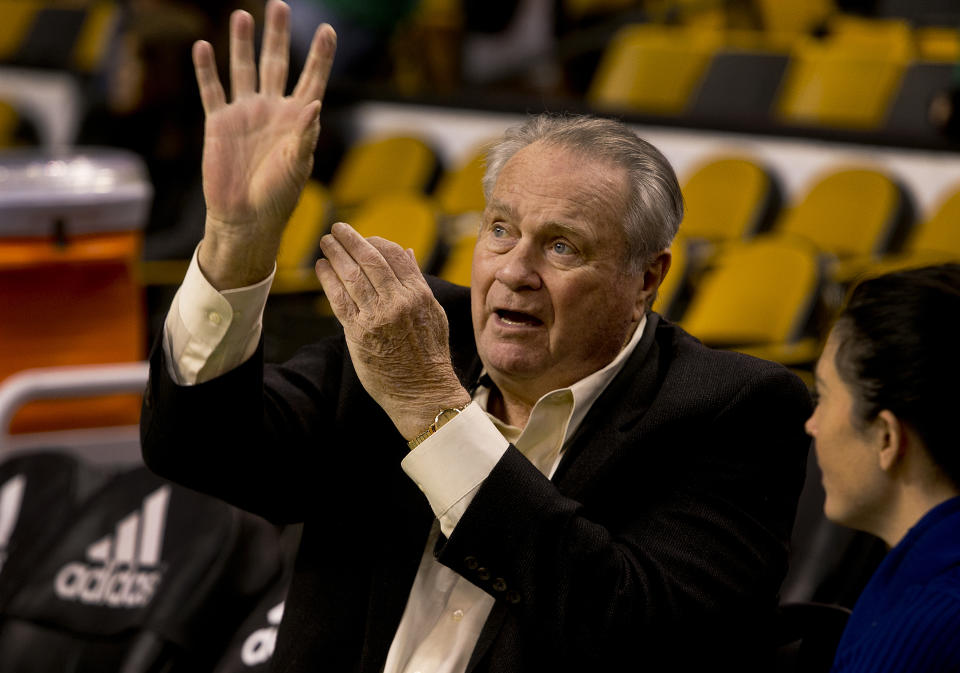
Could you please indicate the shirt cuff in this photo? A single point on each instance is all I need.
(208, 333)
(450, 465)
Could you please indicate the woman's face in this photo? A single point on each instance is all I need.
(856, 487)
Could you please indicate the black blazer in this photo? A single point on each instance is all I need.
(661, 540)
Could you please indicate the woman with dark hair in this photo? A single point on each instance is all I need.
(887, 443)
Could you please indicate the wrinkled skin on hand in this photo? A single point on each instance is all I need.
(396, 331)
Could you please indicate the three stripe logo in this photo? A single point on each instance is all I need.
(11, 498)
(123, 568)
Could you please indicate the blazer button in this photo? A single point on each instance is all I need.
(513, 596)
(471, 563)
(483, 574)
(499, 584)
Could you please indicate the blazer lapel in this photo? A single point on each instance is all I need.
(594, 443)
(618, 409)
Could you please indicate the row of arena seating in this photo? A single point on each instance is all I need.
(863, 74)
(749, 270)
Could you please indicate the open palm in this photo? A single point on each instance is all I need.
(258, 148)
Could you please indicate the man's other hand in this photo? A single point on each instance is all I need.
(396, 331)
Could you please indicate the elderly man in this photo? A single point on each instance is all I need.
(536, 474)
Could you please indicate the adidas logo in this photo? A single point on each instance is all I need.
(11, 497)
(258, 647)
(122, 569)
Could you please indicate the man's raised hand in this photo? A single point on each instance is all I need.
(258, 148)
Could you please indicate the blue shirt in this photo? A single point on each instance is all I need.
(908, 616)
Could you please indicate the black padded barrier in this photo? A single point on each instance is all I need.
(143, 576)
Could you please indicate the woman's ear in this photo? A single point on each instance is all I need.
(892, 438)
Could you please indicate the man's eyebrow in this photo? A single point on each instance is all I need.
(499, 206)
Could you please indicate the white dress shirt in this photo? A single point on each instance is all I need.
(208, 333)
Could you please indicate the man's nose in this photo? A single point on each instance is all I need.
(518, 268)
(809, 426)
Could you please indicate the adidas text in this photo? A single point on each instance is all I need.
(106, 585)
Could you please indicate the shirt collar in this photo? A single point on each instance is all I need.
(582, 394)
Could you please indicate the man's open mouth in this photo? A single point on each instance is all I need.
(518, 318)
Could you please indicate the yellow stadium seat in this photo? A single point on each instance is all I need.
(652, 68)
(793, 16)
(99, 26)
(459, 262)
(847, 80)
(882, 37)
(936, 240)
(461, 190)
(758, 298)
(298, 247)
(726, 199)
(941, 232)
(376, 166)
(18, 17)
(848, 213)
(938, 44)
(407, 219)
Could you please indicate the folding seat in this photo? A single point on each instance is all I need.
(850, 213)
(71, 36)
(847, 79)
(18, 17)
(39, 491)
(460, 190)
(251, 649)
(408, 219)
(458, 264)
(143, 576)
(70, 232)
(937, 43)
(794, 16)
(376, 166)
(935, 240)
(652, 68)
(728, 198)
(759, 297)
(299, 246)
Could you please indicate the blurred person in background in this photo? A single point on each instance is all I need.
(886, 443)
(535, 473)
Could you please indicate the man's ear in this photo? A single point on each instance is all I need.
(653, 276)
(892, 436)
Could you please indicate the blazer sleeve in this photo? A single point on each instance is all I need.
(259, 436)
(283, 441)
(679, 538)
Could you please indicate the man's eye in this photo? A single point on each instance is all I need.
(498, 231)
(562, 248)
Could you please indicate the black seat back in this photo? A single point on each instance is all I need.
(144, 576)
